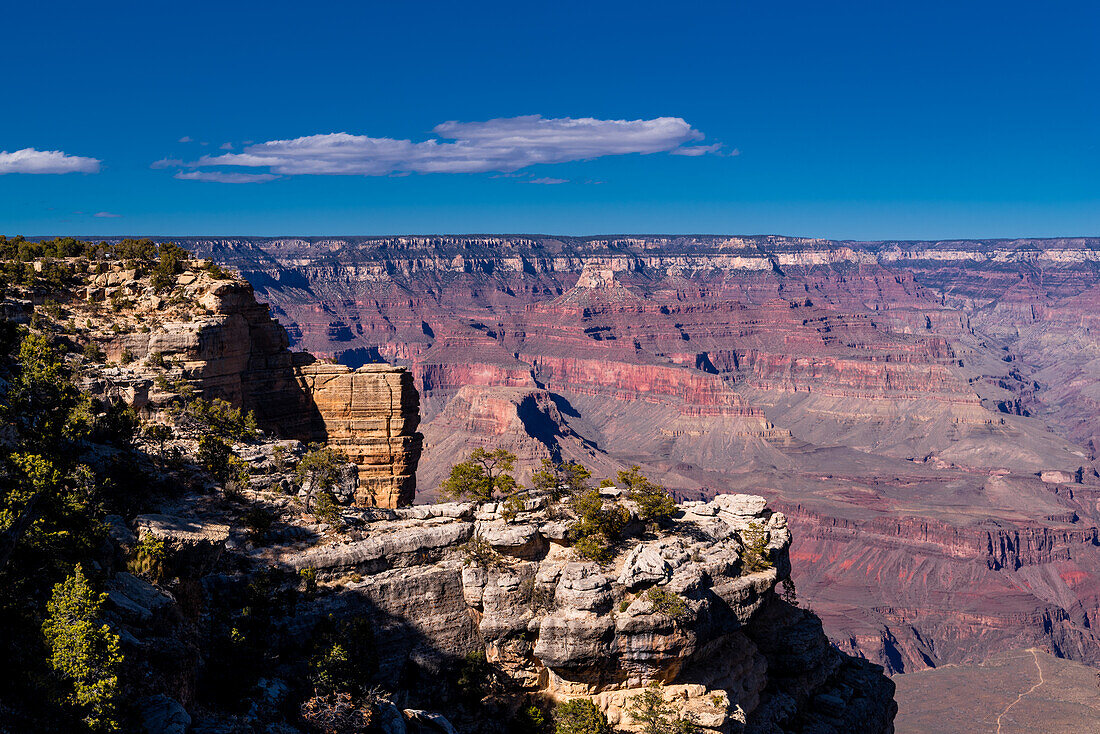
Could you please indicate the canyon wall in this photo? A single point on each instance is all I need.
(925, 412)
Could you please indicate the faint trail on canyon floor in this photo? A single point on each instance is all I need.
(1029, 691)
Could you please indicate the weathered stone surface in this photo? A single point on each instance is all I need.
(521, 541)
(234, 350)
(405, 547)
(645, 565)
(430, 721)
(137, 601)
(370, 415)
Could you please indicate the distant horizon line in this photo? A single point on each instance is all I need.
(534, 235)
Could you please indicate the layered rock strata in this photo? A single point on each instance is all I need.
(215, 335)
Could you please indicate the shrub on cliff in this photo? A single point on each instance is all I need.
(318, 473)
(667, 603)
(220, 418)
(754, 552)
(336, 713)
(149, 558)
(653, 715)
(654, 502)
(598, 525)
(476, 677)
(478, 552)
(159, 434)
(482, 477)
(579, 716)
(84, 651)
(560, 479)
(169, 265)
(92, 353)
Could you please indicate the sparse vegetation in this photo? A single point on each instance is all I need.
(84, 651)
(667, 603)
(478, 552)
(655, 504)
(93, 353)
(579, 716)
(318, 473)
(258, 519)
(653, 715)
(483, 477)
(475, 677)
(220, 418)
(598, 525)
(789, 593)
(149, 558)
(754, 553)
(560, 479)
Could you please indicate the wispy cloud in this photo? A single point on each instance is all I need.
(106, 215)
(501, 145)
(548, 180)
(226, 146)
(29, 160)
(697, 150)
(167, 163)
(186, 139)
(225, 177)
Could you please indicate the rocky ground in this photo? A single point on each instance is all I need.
(1012, 691)
(677, 606)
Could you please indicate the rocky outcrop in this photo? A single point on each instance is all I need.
(370, 415)
(681, 608)
(214, 334)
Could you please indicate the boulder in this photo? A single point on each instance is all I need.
(518, 541)
(741, 505)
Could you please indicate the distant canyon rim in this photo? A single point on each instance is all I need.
(926, 413)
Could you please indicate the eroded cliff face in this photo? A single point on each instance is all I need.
(216, 336)
(922, 387)
(682, 607)
(370, 415)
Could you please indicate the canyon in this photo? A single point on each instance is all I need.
(924, 413)
(234, 603)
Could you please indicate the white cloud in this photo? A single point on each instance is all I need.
(548, 180)
(501, 145)
(695, 150)
(223, 177)
(226, 146)
(106, 215)
(186, 139)
(167, 163)
(29, 160)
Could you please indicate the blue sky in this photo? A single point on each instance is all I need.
(845, 120)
